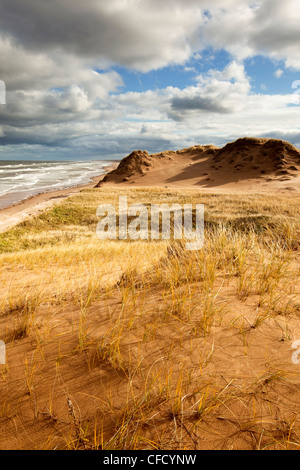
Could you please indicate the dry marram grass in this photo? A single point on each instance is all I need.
(143, 345)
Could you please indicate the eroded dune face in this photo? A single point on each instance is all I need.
(267, 155)
(247, 159)
(136, 164)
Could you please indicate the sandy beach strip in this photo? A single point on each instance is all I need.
(34, 205)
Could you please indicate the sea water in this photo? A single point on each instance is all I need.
(22, 179)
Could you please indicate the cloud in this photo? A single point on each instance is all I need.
(136, 33)
(279, 73)
(216, 92)
(57, 61)
(149, 34)
(270, 28)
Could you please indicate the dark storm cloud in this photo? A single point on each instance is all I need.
(132, 33)
(199, 104)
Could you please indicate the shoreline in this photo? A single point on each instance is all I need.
(33, 205)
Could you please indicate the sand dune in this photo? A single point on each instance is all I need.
(249, 164)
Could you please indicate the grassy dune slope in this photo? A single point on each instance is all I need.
(137, 345)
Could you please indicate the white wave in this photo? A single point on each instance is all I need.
(29, 178)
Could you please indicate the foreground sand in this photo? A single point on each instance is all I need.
(142, 345)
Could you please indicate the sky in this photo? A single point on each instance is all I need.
(98, 79)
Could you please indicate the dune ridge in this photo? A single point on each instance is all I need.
(246, 163)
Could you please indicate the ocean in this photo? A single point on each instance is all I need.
(22, 179)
